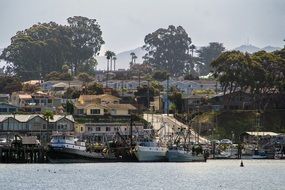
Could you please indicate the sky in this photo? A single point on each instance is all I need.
(125, 23)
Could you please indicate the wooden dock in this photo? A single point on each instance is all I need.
(23, 150)
(9, 154)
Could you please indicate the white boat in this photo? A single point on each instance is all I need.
(180, 154)
(66, 146)
(150, 152)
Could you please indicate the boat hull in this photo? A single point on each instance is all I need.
(184, 156)
(150, 154)
(72, 155)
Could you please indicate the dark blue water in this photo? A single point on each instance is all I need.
(215, 174)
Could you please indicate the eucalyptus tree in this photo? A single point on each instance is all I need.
(38, 50)
(167, 49)
(86, 39)
(269, 76)
(207, 55)
(46, 47)
(233, 70)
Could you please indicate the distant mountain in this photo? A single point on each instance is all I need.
(123, 59)
(253, 49)
(271, 48)
(247, 48)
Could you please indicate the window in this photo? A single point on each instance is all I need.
(81, 129)
(95, 111)
(3, 109)
(44, 126)
(98, 128)
(49, 101)
(80, 111)
(12, 110)
(108, 129)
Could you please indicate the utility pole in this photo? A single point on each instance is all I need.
(198, 125)
(139, 79)
(131, 130)
(167, 89)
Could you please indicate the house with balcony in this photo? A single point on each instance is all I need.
(102, 105)
(188, 86)
(4, 98)
(36, 102)
(6, 108)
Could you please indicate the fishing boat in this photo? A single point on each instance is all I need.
(182, 154)
(258, 154)
(150, 151)
(67, 148)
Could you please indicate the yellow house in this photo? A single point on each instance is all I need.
(79, 128)
(102, 98)
(101, 105)
(89, 109)
(120, 109)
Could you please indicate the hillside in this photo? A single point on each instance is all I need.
(232, 123)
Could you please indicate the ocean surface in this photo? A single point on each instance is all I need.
(212, 175)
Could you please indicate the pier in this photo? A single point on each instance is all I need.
(23, 150)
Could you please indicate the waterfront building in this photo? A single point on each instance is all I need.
(101, 132)
(35, 124)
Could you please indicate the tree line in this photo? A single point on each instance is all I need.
(261, 75)
(47, 47)
(171, 49)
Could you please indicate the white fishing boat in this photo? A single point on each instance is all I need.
(180, 154)
(150, 152)
(66, 146)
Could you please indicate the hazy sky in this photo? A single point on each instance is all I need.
(126, 22)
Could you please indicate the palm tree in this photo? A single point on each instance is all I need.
(108, 55)
(48, 115)
(133, 56)
(114, 59)
(112, 55)
(192, 48)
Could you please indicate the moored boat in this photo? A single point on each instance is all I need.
(65, 147)
(181, 154)
(150, 152)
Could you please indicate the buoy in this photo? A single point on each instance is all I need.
(241, 164)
